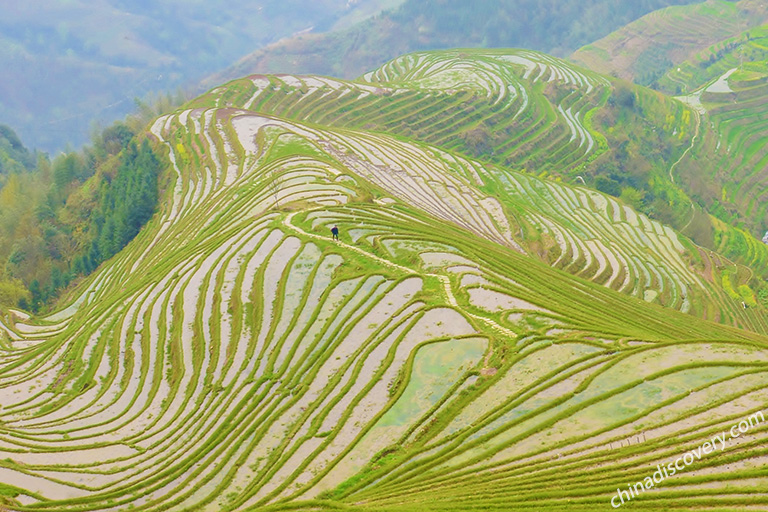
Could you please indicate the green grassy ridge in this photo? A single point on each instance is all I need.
(213, 245)
(570, 308)
(587, 220)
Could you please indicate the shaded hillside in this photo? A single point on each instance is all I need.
(60, 218)
(647, 48)
(552, 26)
(722, 83)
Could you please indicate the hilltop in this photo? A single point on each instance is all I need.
(527, 111)
(481, 336)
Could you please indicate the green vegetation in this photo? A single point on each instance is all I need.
(645, 131)
(725, 171)
(61, 219)
(747, 52)
(126, 203)
(14, 157)
(514, 108)
(541, 114)
(721, 173)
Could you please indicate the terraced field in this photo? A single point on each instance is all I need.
(479, 337)
(518, 108)
(660, 41)
(727, 169)
(712, 56)
(540, 107)
(711, 68)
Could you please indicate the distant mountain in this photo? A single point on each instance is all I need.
(554, 26)
(69, 64)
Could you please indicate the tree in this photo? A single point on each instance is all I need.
(632, 197)
(608, 186)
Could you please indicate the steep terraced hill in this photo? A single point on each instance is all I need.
(515, 107)
(525, 110)
(235, 357)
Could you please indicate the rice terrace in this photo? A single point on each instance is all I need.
(548, 284)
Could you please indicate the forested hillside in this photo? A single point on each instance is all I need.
(60, 219)
(14, 156)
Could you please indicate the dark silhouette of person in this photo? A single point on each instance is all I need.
(335, 232)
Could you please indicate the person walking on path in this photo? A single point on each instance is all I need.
(335, 232)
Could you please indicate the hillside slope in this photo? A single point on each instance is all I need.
(727, 171)
(525, 110)
(724, 86)
(234, 357)
(645, 49)
(552, 26)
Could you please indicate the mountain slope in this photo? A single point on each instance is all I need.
(234, 357)
(552, 26)
(645, 49)
(723, 83)
(523, 109)
(512, 107)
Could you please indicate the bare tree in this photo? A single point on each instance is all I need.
(276, 185)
